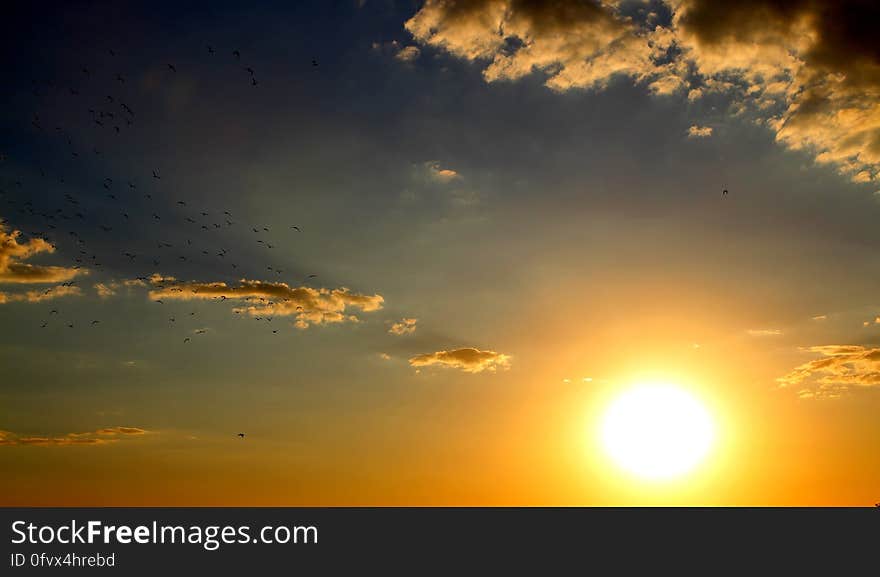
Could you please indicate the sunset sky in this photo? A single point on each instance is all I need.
(507, 212)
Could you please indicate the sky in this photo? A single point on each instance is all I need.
(413, 250)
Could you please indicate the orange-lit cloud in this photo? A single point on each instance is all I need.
(408, 53)
(99, 437)
(469, 360)
(438, 174)
(309, 305)
(106, 290)
(808, 70)
(813, 67)
(14, 270)
(838, 368)
(36, 296)
(764, 332)
(403, 327)
(574, 44)
(699, 131)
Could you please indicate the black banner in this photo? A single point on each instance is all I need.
(419, 540)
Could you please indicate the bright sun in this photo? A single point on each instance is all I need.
(657, 431)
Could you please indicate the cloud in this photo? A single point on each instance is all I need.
(121, 431)
(404, 327)
(699, 131)
(814, 65)
(36, 296)
(469, 360)
(442, 175)
(14, 271)
(574, 44)
(310, 306)
(764, 332)
(808, 70)
(397, 50)
(820, 317)
(839, 368)
(408, 54)
(99, 437)
(385, 356)
(110, 288)
(106, 290)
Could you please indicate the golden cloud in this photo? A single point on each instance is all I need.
(699, 131)
(764, 332)
(36, 296)
(309, 305)
(469, 360)
(807, 69)
(838, 368)
(106, 290)
(404, 327)
(817, 63)
(438, 174)
(99, 437)
(575, 44)
(408, 54)
(14, 271)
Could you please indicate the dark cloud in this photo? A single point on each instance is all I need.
(808, 70)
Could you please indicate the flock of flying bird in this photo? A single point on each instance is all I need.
(72, 220)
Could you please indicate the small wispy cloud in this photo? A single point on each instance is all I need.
(764, 332)
(403, 327)
(408, 54)
(696, 131)
(439, 174)
(100, 437)
(38, 296)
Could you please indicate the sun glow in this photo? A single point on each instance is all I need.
(657, 431)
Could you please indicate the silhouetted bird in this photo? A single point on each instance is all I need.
(241, 435)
